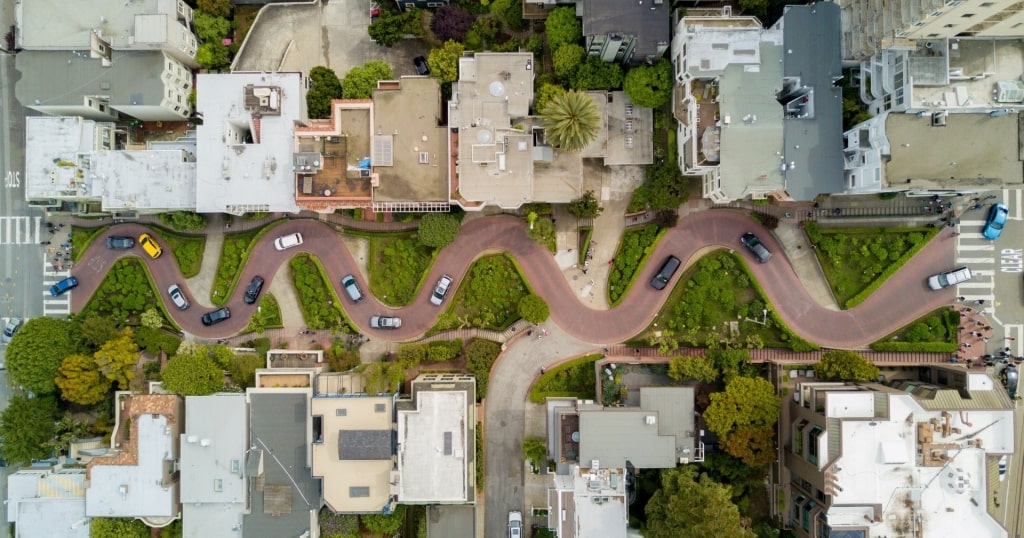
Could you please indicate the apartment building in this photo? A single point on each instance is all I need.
(631, 33)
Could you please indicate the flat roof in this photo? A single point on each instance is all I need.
(214, 488)
(613, 436)
(961, 73)
(650, 23)
(433, 442)
(247, 141)
(714, 43)
(146, 179)
(53, 145)
(52, 78)
(675, 407)
(353, 456)
(599, 506)
(51, 517)
(49, 24)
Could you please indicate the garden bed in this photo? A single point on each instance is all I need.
(233, 255)
(320, 305)
(935, 332)
(267, 316)
(81, 238)
(575, 379)
(631, 256)
(398, 266)
(488, 298)
(187, 250)
(125, 293)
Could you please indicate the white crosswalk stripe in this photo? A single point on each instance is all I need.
(55, 306)
(20, 230)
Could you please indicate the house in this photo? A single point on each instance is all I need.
(436, 441)
(589, 502)
(626, 32)
(214, 487)
(865, 459)
(46, 500)
(759, 112)
(406, 5)
(247, 141)
(138, 478)
(72, 164)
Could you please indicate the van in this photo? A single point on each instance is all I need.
(288, 241)
(668, 269)
(352, 288)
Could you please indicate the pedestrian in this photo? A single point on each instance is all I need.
(967, 344)
(985, 339)
(979, 302)
(542, 369)
(961, 329)
(961, 298)
(529, 332)
(1010, 338)
(987, 327)
(606, 349)
(1007, 350)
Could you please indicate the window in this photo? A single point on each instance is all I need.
(218, 484)
(379, 408)
(967, 15)
(236, 466)
(341, 412)
(359, 491)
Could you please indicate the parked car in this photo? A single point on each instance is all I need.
(385, 322)
(10, 328)
(254, 289)
(515, 524)
(664, 274)
(422, 68)
(440, 290)
(756, 247)
(150, 246)
(374, 11)
(949, 278)
(1010, 378)
(996, 219)
(120, 242)
(217, 316)
(1003, 461)
(352, 288)
(177, 297)
(63, 286)
(288, 241)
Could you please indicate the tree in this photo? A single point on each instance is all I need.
(66, 431)
(242, 368)
(117, 358)
(535, 449)
(480, 355)
(444, 62)
(325, 87)
(438, 229)
(566, 59)
(36, 352)
(743, 416)
(81, 381)
(97, 330)
(666, 186)
(450, 22)
(594, 74)
(218, 8)
(411, 355)
(585, 207)
(186, 221)
(210, 28)
(649, 86)
(533, 308)
(383, 377)
(700, 369)
(545, 92)
(338, 525)
(111, 527)
(510, 12)
(570, 121)
(690, 507)
(152, 318)
(360, 81)
(392, 26)
(384, 524)
(842, 365)
(213, 55)
(757, 8)
(562, 27)
(731, 362)
(192, 374)
(26, 426)
(666, 218)
(543, 231)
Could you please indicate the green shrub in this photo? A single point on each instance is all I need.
(444, 351)
(574, 378)
(488, 298)
(635, 247)
(399, 265)
(125, 293)
(233, 255)
(184, 221)
(153, 341)
(480, 356)
(267, 316)
(81, 238)
(187, 249)
(320, 306)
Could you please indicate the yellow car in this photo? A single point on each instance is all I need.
(150, 246)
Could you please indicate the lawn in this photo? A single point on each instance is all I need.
(574, 378)
(320, 305)
(856, 261)
(633, 250)
(125, 293)
(267, 316)
(187, 250)
(81, 238)
(717, 301)
(936, 332)
(488, 298)
(397, 266)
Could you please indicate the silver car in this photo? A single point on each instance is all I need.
(385, 322)
(177, 297)
(440, 290)
(10, 328)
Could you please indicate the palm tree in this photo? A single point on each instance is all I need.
(570, 121)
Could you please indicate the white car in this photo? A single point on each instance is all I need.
(288, 241)
(12, 327)
(385, 322)
(515, 524)
(440, 290)
(949, 278)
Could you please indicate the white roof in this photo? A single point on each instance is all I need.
(138, 490)
(213, 449)
(52, 144)
(433, 440)
(146, 179)
(50, 24)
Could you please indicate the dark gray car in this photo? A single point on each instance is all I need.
(756, 247)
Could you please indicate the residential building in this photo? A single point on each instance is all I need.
(436, 441)
(106, 29)
(149, 85)
(139, 477)
(73, 165)
(626, 133)
(406, 5)
(865, 459)
(589, 503)
(46, 500)
(754, 121)
(214, 448)
(247, 140)
(871, 26)
(626, 32)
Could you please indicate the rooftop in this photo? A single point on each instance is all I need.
(649, 22)
(626, 136)
(332, 158)
(589, 503)
(962, 73)
(47, 501)
(433, 441)
(48, 24)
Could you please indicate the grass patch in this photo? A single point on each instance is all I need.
(584, 235)
(632, 254)
(125, 293)
(488, 298)
(575, 378)
(233, 255)
(267, 316)
(187, 250)
(936, 331)
(321, 307)
(398, 265)
(710, 296)
(81, 238)
(856, 261)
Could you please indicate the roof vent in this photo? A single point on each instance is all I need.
(651, 420)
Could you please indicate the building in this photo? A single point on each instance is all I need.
(436, 441)
(47, 500)
(759, 112)
(214, 487)
(72, 164)
(626, 135)
(914, 456)
(871, 26)
(589, 503)
(626, 32)
(247, 141)
(405, 5)
(139, 477)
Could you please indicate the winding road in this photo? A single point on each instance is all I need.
(902, 299)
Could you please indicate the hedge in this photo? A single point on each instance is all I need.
(930, 347)
(537, 395)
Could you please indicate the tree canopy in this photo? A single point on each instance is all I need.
(360, 81)
(219, 8)
(444, 61)
(213, 55)
(438, 229)
(562, 27)
(26, 426)
(566, 58)
(192, 374)
(210, 27)
(700, 369)
(690, 507)
(81, 381)
(111, 527)
(534, 309)
(842, 365)
(570, 121)
(325, 87)
(545, 92)
(384, 524)
(594, 74)
(452, 23)
(393, 25)
(585, 207)
(743, 416)
(116, 359)
(649, 85)
(35, 354)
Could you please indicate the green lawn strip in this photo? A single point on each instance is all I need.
(320, 305)
(267, 316)
(934, 332)
(574, 378)
(713, 292)
(233, 255)
(187, 250)
(632, 255)
(81, 238)
(398, 265)
(588, 235)
(857, 261)
(126, 292)
(487, 298)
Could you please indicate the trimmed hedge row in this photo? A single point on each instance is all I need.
(933, 347)
(538, 395)
(891, 270)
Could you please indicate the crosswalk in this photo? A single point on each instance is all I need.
(20, 230)
(55, 306)
(980, 254)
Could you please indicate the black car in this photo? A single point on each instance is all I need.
(756, 247)
(254, 289)
(422, 68)
(217, 316)
(120, 242)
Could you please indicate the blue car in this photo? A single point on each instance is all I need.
(62, 286)
(996, 220)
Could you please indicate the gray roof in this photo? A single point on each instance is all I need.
(649, 22)
(50, 24)
(278, 426)
(213, 450)
(364, 444)
(811, 35)
(652, 436)
(43, 517)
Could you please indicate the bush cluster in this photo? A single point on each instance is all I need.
(399, 266)
(635, 246)
(320, 306)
